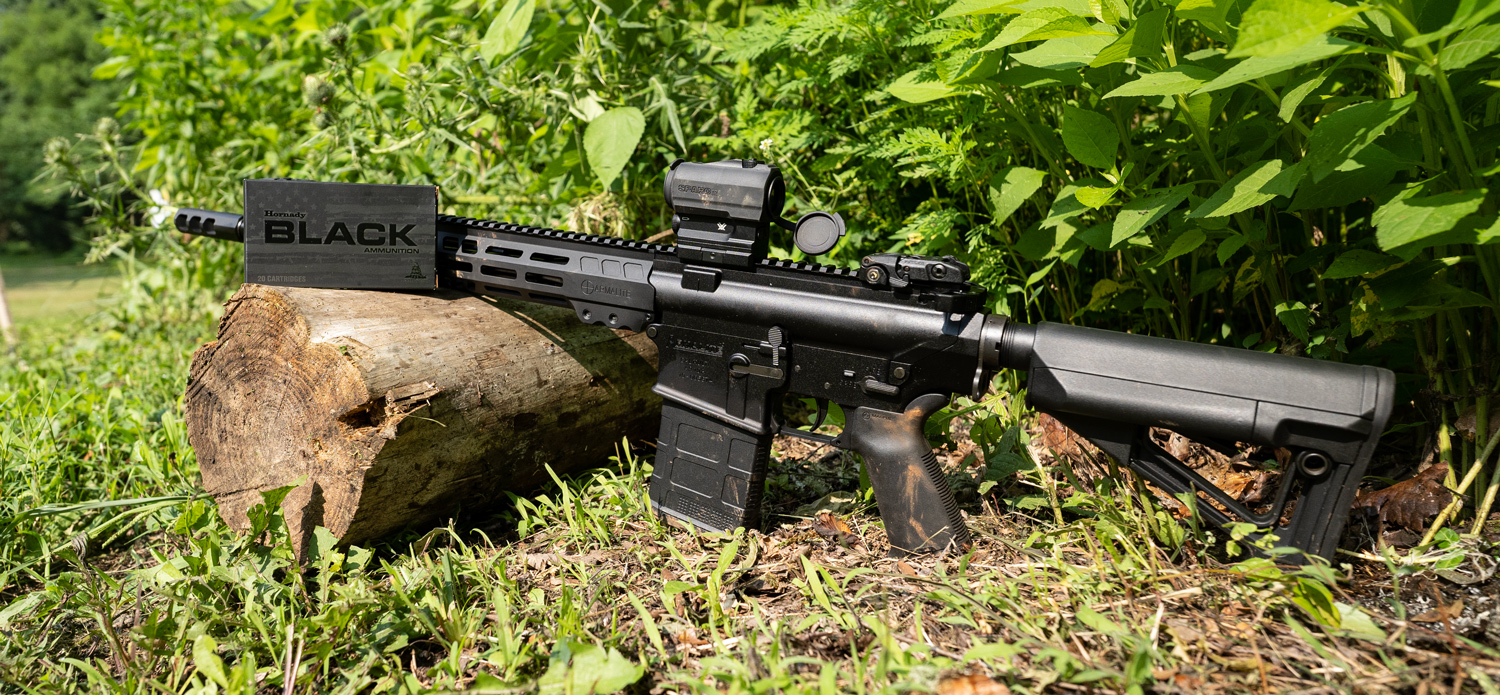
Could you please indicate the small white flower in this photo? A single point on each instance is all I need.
(765, 146)
(160, 212)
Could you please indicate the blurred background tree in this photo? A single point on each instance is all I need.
(47, 53)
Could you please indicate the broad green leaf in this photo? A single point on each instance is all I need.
(1274, 27)
(1296, 317)
(1186, 242)
(1203, 108)
(1028, 77)
(1209, 12)
(673, 588)
(1096, 237)
(1322, 48)
(1036, 243)
(1141, 212)
(1246, 280)
(1079, 8)
(1357, 624)
(1476, 230)
(108, 69)
(1471, 12)
(206, 660)
(1468, 13)
(1042, 272)
(1143, 40)
(1064, 54)
(964, 8)
(1470, 46)
(609, 140)
(1257, 184)
(604, 671)
(1358, 177)
(912, 88)
(322, 546)
(980, 66)
(1409, 218)
(1041, 25)
(1206, 280)
(507, 29)
(1099, 623)
(1358, 262)
(1294, 94)
(1096, 196)
(1342, 134)
(1489, 235)
(1109, 11)
(584, 669)
(1090, 137)
(1179, 80)
(1066, 206)
(1010, 188)
(1229, 246)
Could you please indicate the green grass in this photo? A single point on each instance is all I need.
(41, 287)
(114, 578)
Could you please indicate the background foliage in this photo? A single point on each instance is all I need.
(46, 54)
(1302, 176)
(1291, 175)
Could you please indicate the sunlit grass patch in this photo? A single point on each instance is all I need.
(117, 576)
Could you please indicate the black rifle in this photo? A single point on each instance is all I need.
(890, 343)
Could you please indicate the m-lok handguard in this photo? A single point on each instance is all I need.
(890, 342)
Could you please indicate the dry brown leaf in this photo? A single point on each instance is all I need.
(1410, 503)
(1243, 664)
(539, 561)
(1057, 437)
(1437, 615)
(830, 526)
(689, 638)
(1466, 423)
(906, 569)
(1183, 632)
(1259, 489)
(972, 684)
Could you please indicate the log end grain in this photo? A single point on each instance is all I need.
(391, 409)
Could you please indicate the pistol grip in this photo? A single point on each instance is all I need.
(708, 473)
(915, 501)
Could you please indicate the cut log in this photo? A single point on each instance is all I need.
(395, 409)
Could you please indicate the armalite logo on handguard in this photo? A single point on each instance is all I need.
(353, 235)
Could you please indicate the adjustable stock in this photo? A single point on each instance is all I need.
(1112, 387)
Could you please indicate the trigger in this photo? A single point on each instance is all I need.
(822, 414)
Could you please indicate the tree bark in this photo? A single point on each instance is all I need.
(390, 409)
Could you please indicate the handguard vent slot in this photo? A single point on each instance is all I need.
(502, 251)
(470, 246)
(451, 243)
(448, 264)
(541, 279)
(540, 257)
(492, 271)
